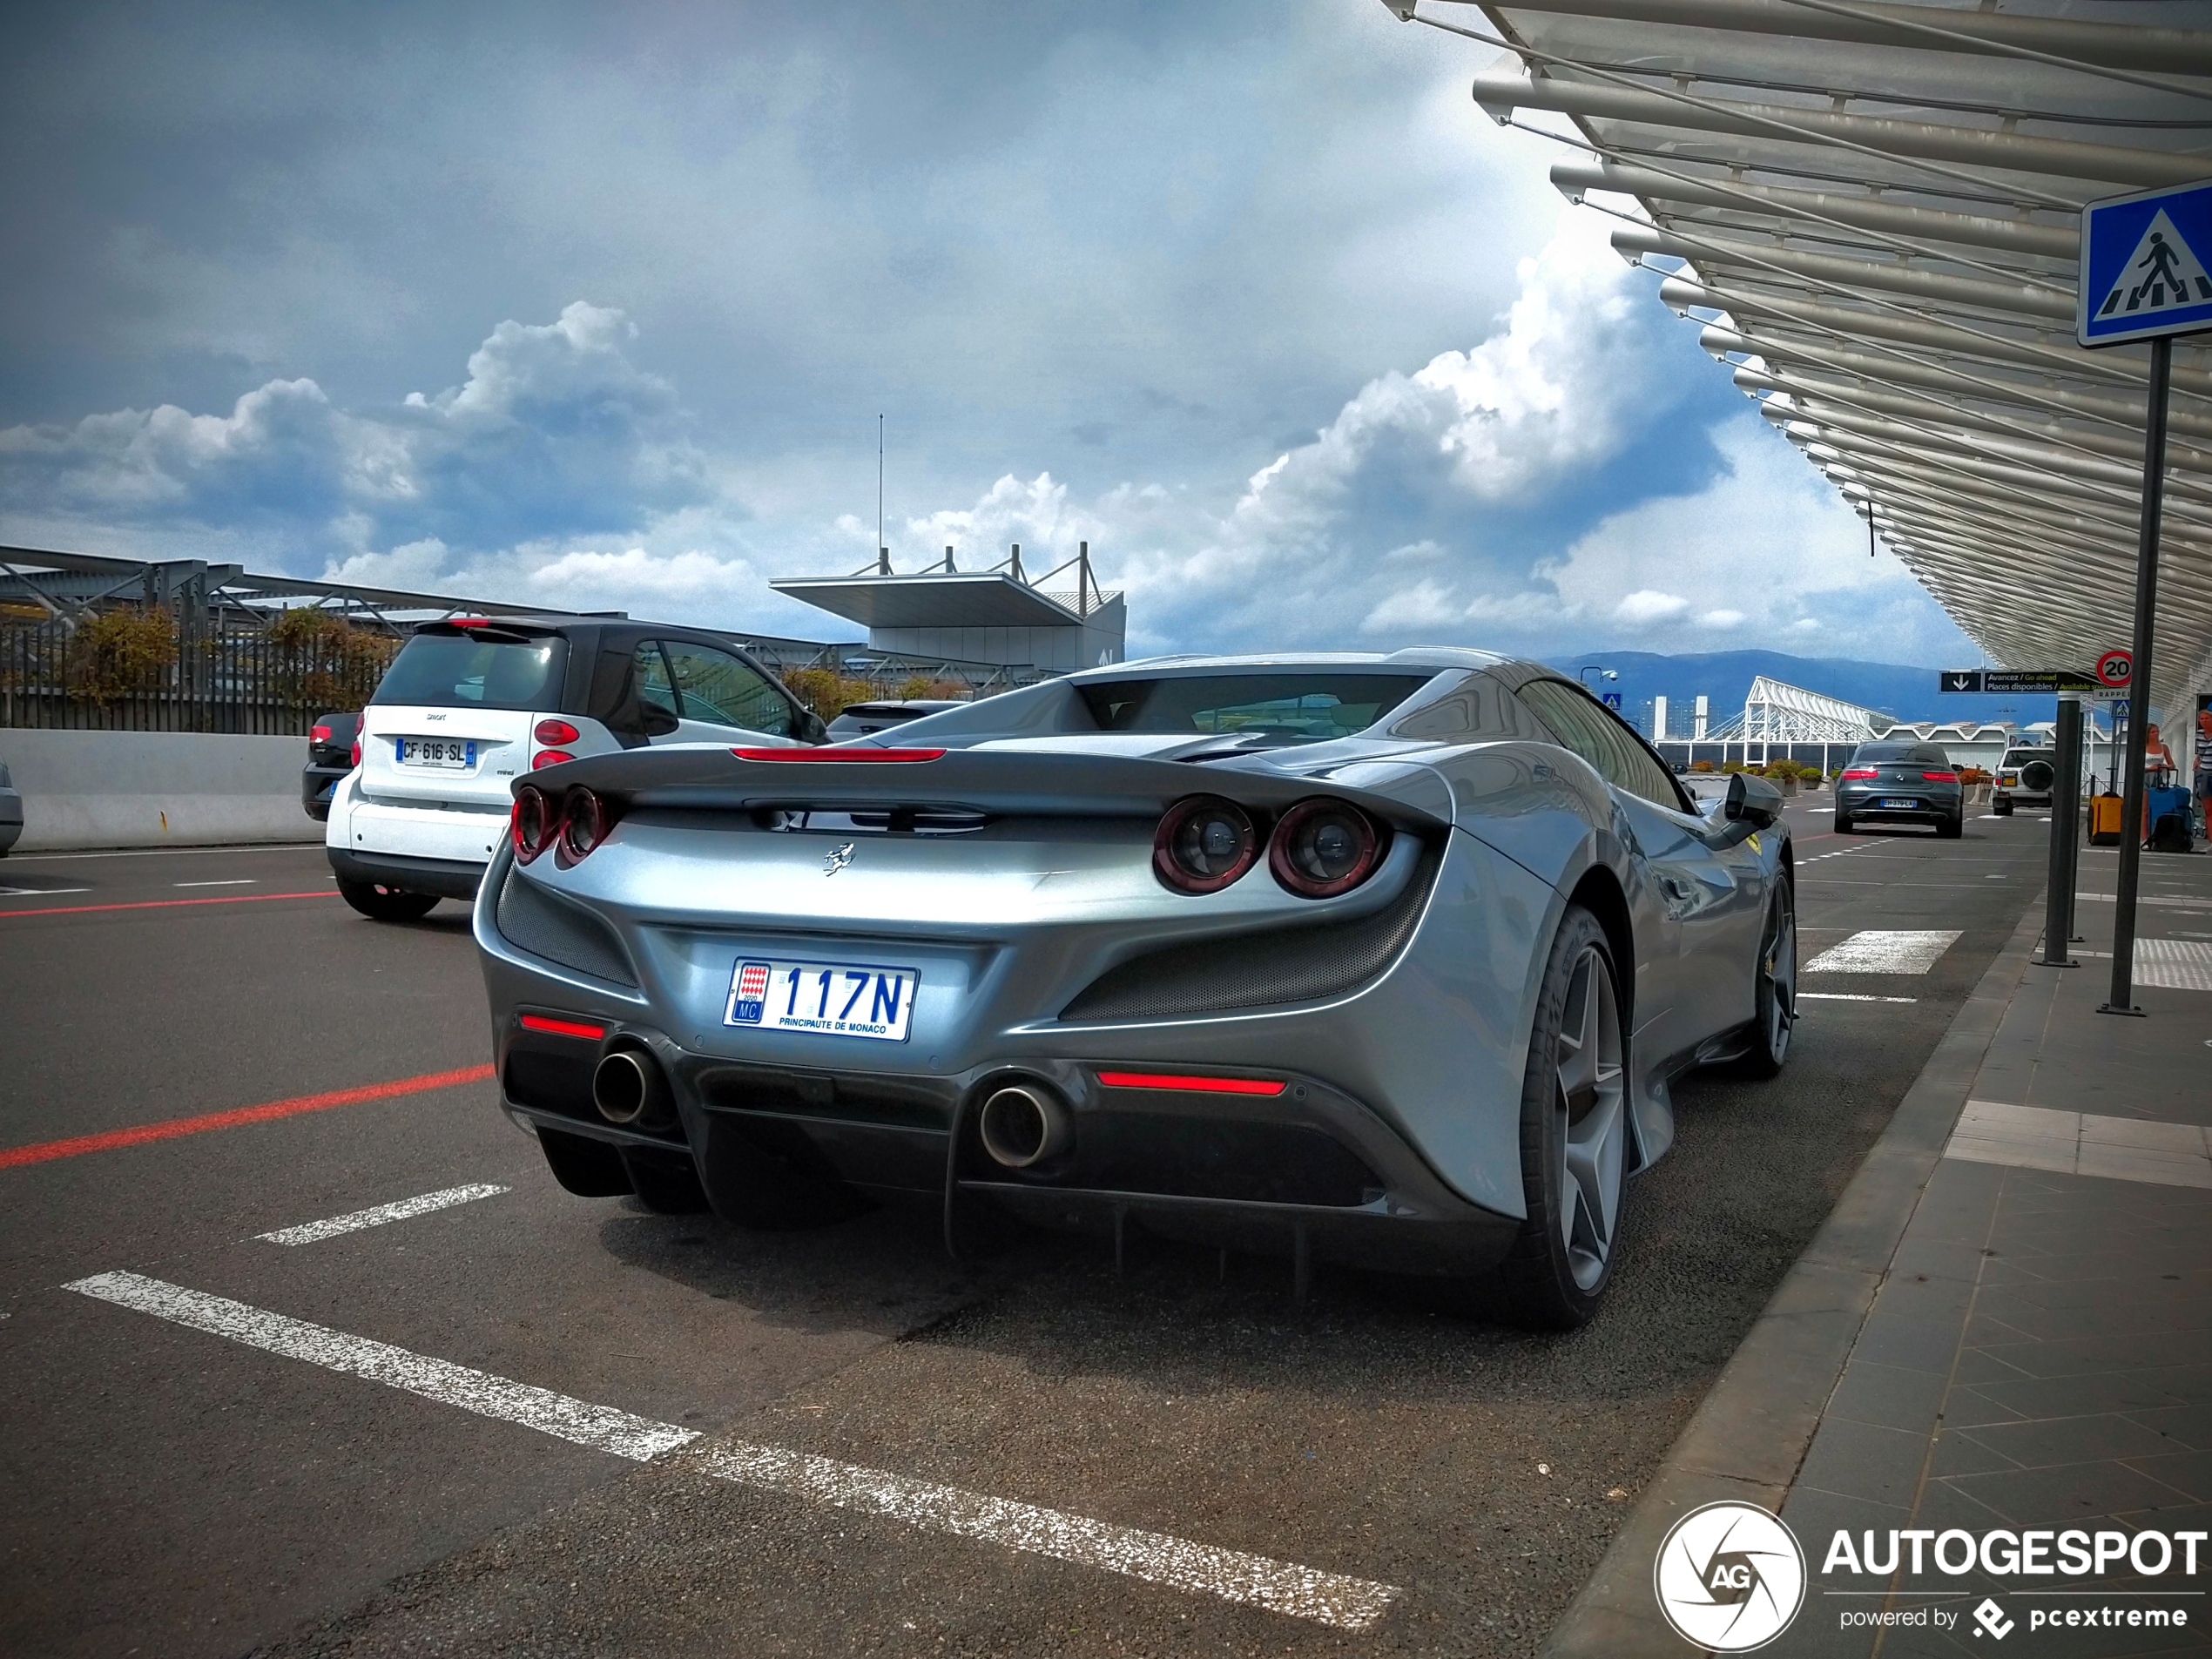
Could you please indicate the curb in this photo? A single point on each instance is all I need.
(1750, 1432)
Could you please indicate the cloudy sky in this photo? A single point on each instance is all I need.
(598, 306)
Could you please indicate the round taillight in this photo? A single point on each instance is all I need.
(583, 826)
(1323, 847)
(556, 732)
(1203, 844)
(551, 757)
(530, 823)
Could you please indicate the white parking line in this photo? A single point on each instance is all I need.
(601, 1427)
(38, 892)
(308, 1232)
(1159, 1558)
(239, 881)
(1882, 950)
(1849, 996)
(1280, 1587)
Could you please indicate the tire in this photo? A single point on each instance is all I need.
(667, 1182)
(2002, 808)
(1843, 824)
(1951, 828)
(588, 1167)
(1774, 989)
(385, 904)
(1573, 1136)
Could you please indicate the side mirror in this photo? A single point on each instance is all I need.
(1751, 800)
(808, 727)
(658, 722)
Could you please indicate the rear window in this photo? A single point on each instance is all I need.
(1274, 708)
(1879, 751)
(2021, 757)
(454, 671)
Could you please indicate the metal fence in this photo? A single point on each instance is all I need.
(149, 671)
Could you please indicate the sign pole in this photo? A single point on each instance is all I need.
(2131, 806)
(2058, 891)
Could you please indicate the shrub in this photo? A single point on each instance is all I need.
(1701, 766)
(325, 662)
(826, 691)
(120, 652)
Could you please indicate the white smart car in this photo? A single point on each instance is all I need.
(471, 703)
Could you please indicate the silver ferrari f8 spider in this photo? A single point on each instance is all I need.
(1388, 960)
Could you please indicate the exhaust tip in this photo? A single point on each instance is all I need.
(627, 1089)
(1021, 1124)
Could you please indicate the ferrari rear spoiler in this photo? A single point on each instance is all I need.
(998, 783)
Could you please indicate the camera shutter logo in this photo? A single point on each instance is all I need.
(1729, 1577)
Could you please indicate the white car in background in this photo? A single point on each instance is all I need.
(471, 703)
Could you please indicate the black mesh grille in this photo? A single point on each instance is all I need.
(531, 920)
(1259, 969)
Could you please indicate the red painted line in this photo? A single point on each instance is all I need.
(169, 1128)
(165, 904)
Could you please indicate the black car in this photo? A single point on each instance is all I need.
(330, 757)
(1901, 783)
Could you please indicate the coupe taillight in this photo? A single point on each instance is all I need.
(529, 824)
(318, 734)
(1203, 844)
(1322, 847)
(555, 733)
(551, 757)
(1941, 776)
(584, 824)
(1861, 772)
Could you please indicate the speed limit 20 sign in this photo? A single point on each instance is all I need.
(2116, 668)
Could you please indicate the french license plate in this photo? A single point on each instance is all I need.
(1898, 803)
(831, 998)
(452, 754)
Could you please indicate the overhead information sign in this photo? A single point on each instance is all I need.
(2144, 265)
(2016, 680)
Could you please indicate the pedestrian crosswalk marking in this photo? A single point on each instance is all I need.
(2163, 273)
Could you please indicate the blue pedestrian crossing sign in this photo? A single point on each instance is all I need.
(1613, 701)
(2144, 265)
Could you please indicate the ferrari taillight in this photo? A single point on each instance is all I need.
(1323, 846)
(584, 824)
(1203, 844)
(529, 823)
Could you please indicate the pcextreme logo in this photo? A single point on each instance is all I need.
(1729, 1577)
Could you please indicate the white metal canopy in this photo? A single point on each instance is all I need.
(1871, 208)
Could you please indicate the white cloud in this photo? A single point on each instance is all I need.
(1648, 605)
(1723, 619)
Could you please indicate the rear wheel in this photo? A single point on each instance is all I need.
(2001, 808)
(1951, 828)
(1574, 1135)
(1775, 991)
(381, 903)
(1843, 824)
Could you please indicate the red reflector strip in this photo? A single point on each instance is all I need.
(563, 1027)
(837, 754)
(1194, 1085)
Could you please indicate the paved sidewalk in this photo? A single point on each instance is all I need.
(2037, 1353)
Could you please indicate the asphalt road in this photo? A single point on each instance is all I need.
(167, 1491)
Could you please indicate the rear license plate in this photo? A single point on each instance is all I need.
(448, 754)
(830, 999)
(1897, 802)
